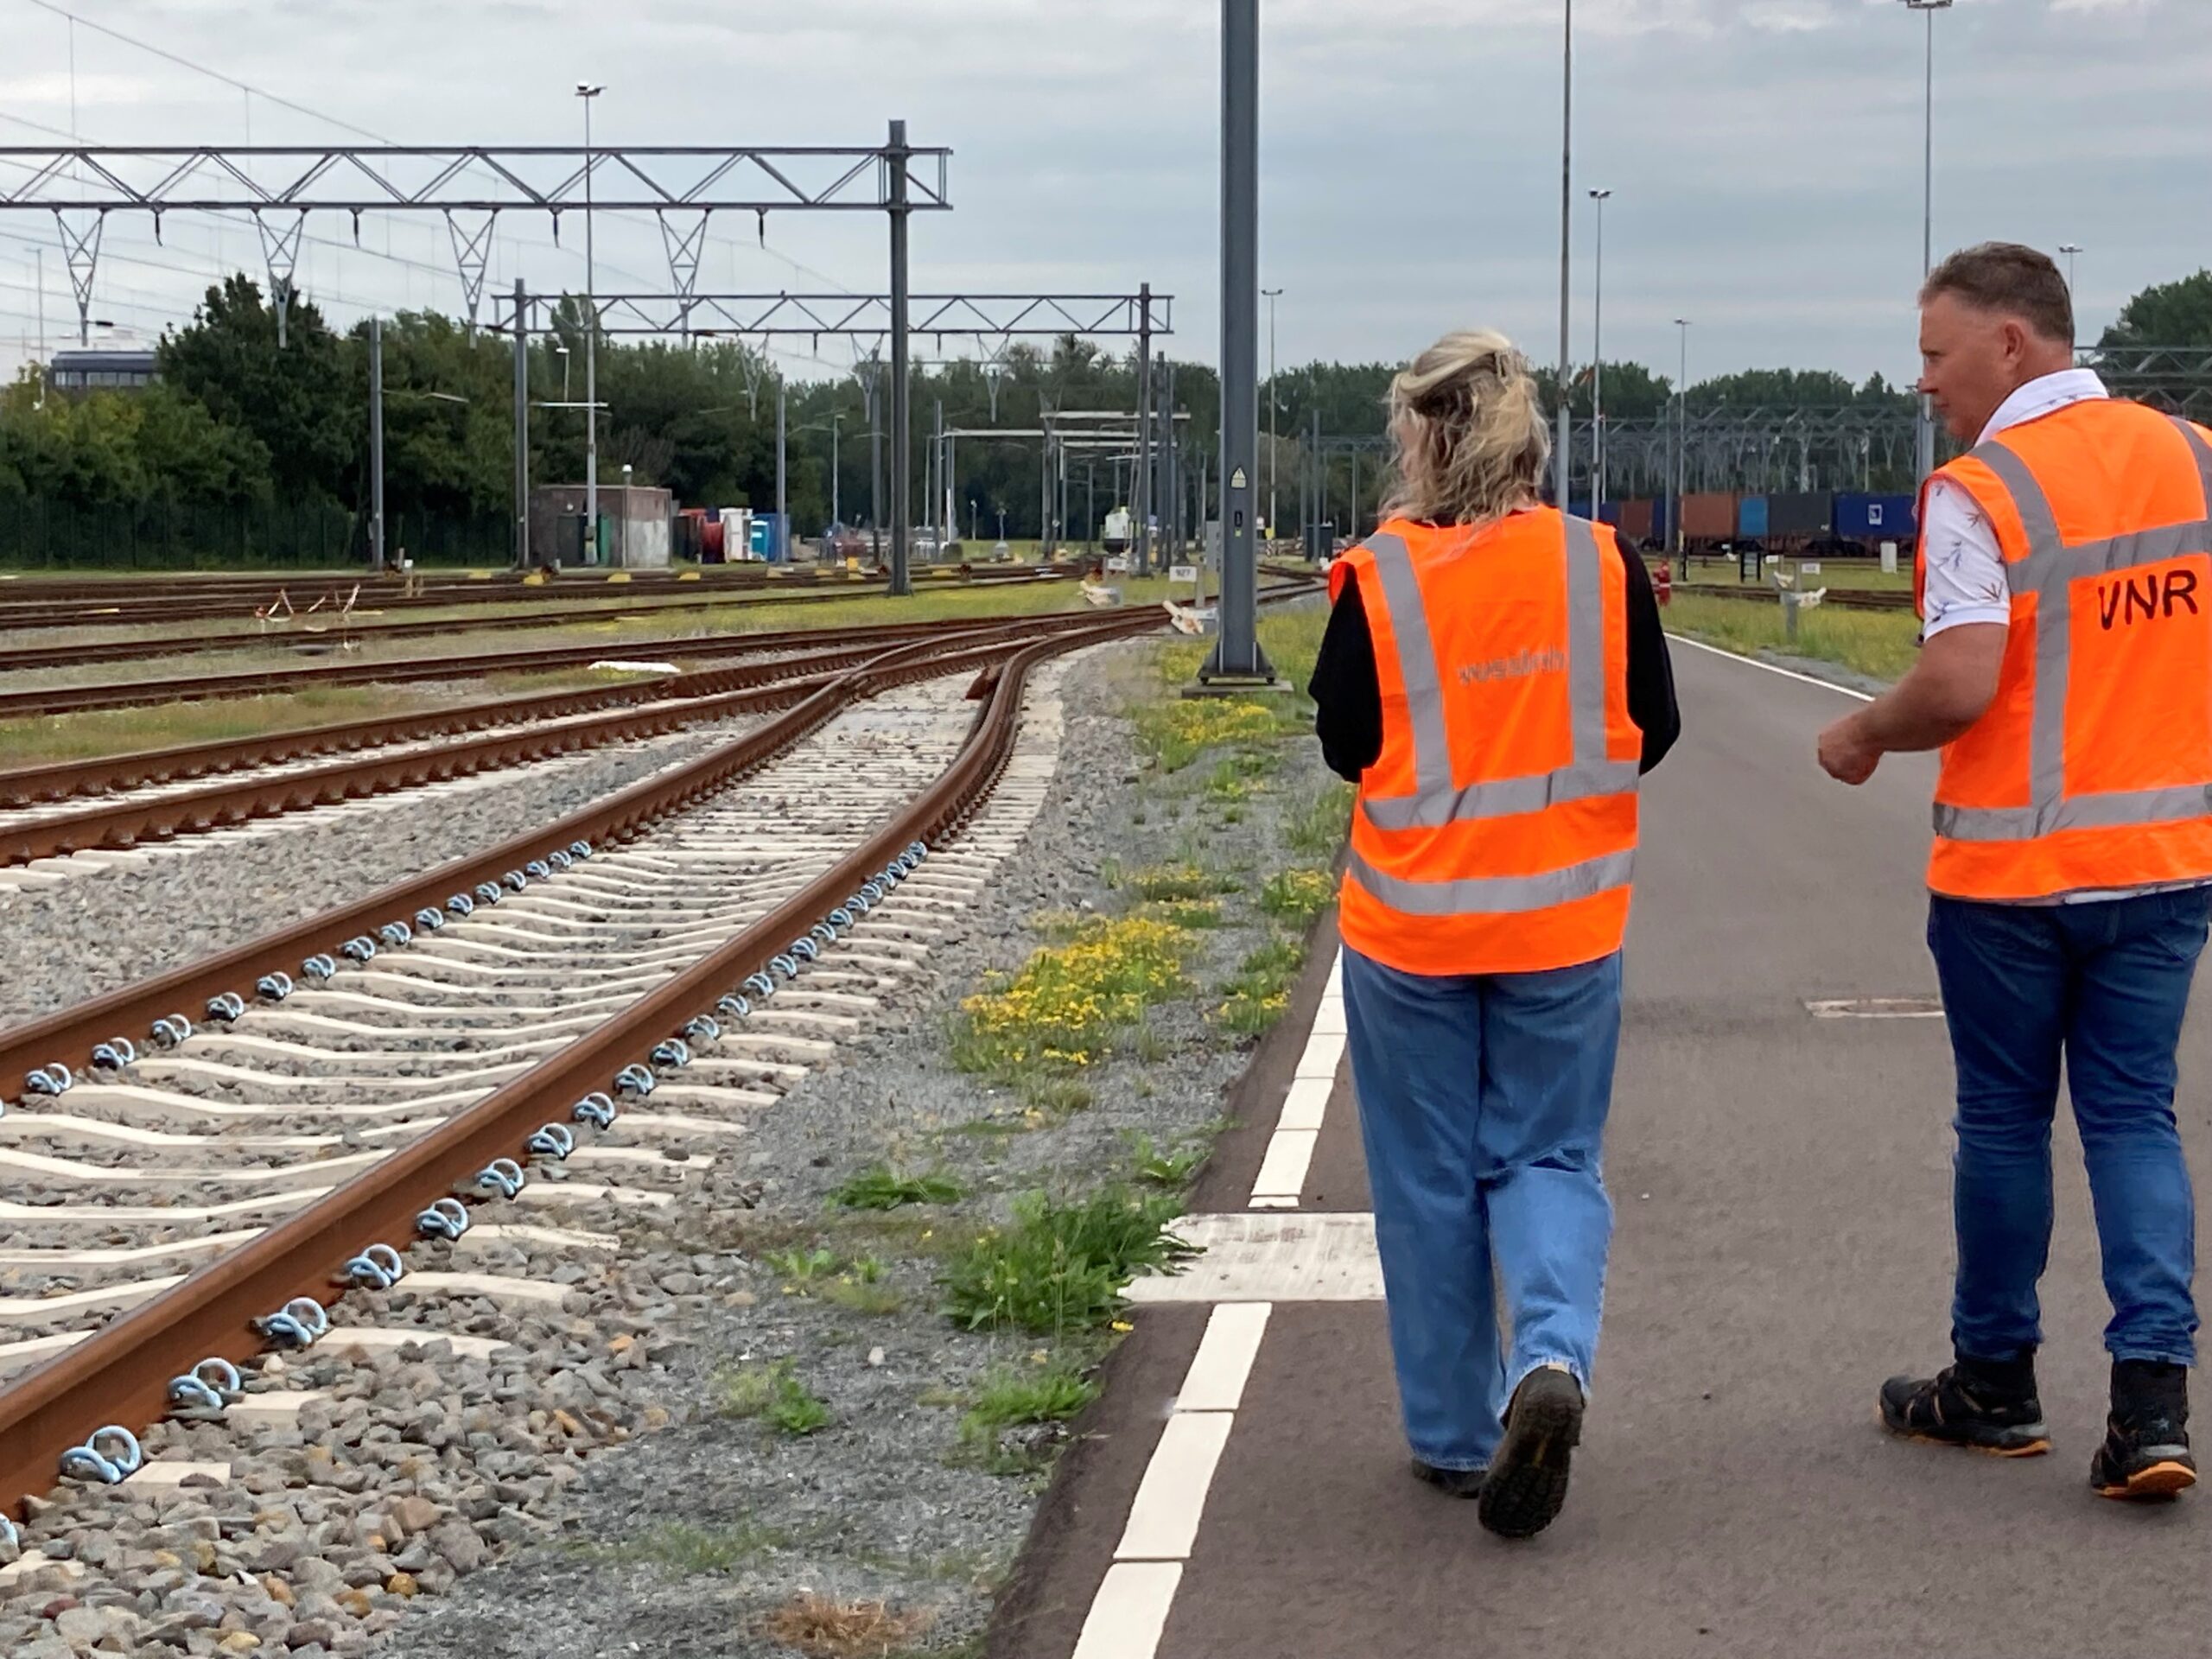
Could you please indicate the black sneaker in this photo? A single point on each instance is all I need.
(1458, 1483)
(1526, 1486)
(1963, 1406)
(2145, 1453)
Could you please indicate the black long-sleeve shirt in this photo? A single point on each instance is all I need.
(1348, 696)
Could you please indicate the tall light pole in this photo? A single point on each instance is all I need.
(1598, 369)
(1926, 445)
(1271, 294)
(1681, 433)
(1559, 462)
(2070, 250)
(588, 93)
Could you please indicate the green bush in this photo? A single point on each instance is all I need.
(883, 1188)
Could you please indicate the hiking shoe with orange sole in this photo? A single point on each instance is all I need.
(1959, 1408)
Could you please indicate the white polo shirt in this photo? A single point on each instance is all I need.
(1965, 568)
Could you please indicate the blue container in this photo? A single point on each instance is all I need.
(1876, 519)
(1577, 506)
(1610, 514)
(1662, 521)
(1750, 516)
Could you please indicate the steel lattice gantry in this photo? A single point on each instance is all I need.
(994, 320)
(683, 186)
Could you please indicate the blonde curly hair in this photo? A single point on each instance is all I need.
(1468, 426)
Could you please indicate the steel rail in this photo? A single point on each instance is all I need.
(689, 700)
(120, 1373)
(64, 779)
(200, 688)
(564, 607)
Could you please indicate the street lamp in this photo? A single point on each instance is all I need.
(1598, 369)
(1561, 461)
(2071, 249)
(1270, 295)
(1681, 433)
(588, 93)
(1926, 445)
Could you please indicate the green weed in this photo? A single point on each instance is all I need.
(1298, 896)
(773, 1393)
(882, 1187)
(1062, 1266)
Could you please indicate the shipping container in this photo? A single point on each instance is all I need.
(1709, 517)
(1870, 520)
(1635, 520)
(1609, 512)
(1662, 521)
(1751, 516)
(1800, 518)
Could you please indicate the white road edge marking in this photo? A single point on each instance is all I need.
(1129, 1613)
(1787, 674)
(1298, 1129)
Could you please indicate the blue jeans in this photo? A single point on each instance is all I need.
(2106, 985)
(1482, 1105)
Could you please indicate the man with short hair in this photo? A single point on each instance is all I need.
(2065, 581)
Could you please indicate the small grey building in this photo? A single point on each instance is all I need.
(635, 527)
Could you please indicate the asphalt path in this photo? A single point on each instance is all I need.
(1783, 1189)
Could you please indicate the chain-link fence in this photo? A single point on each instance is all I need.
(280, 536)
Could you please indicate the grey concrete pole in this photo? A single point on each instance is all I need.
(591, 350)
(837, 514)
(375, 445)
(875, 463)
(1236, 652)
(1143, 549)
(1598, 369)
(779, 547)
(1561, 461)
(1925, 444)
(902, 455)
(522, 426)
(1173, 488)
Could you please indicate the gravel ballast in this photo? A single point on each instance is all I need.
(687, 1541)
(97, 932)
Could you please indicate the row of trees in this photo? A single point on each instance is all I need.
(237, 423)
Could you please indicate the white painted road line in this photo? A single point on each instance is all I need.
(1129, 1612)
(1282, 1171)
(1163, 1520)
(1304, 1107)
(1753, 662)
(1217, 1373)
(1247, 1257)
(1324, 1053)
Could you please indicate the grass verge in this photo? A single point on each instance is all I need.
(1882, 645)
(1061, 1265)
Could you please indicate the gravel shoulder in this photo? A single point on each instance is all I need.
(720, 1533)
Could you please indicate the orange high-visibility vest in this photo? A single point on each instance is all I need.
(1496, 831)
(2092, 769)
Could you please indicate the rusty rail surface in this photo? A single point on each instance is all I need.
(1844, 599)
(120, 1373)
(20, 657)
(59, 602)
(199, 688)
(63, 779)
(686, 700)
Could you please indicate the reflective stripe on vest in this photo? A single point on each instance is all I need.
(2049, 571)
(1437, 802)
(1496, 895)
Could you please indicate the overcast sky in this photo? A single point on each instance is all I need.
(1765, 154)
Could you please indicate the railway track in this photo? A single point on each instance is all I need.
(197, 688)
(156, 797)
(348, 635)
(1844, 599)
(597, 1003)
(42, 602)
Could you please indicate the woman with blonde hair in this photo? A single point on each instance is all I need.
(1495, 679)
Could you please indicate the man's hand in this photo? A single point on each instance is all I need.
(1846, 754)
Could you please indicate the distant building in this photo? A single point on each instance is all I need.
(75, 371)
